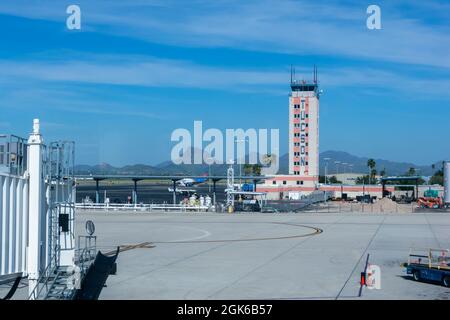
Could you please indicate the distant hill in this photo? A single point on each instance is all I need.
(360, 164)
(169, 168)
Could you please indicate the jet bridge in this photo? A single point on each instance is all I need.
(37, 210)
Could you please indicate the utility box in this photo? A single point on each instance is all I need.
(64, 222)
(67, 258)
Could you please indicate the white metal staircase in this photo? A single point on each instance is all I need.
(61, 287)
(55, 284)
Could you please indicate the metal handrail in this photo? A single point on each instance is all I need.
(87, 254)
(16, 165)
(48, 270)
(143, 207)
(84, 258)
(430, 260)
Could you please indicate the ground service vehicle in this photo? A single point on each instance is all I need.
(429, 265)
(429, 202)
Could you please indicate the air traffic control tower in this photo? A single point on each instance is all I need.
(304, 128)
(303, 177)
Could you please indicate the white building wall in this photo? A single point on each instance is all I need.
(13, 223)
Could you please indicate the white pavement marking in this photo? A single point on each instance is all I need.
(361, 257)
(266, 263)
(204, 235)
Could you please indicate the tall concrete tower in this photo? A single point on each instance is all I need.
(304, 128)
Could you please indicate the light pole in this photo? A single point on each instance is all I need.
(417, 182)
(209, 173)
(344, 171)
(337, 167)
(326, 168)
(240, 161)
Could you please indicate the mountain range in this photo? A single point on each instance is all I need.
(327, 159)
(359, 164)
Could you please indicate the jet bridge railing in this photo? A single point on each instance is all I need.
(140, 207)
(86, 251)
(13, 155)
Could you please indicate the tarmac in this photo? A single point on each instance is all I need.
(265, 256)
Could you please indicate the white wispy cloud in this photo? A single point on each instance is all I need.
(67, 99)
(147, 71)
(299, 27)
(138, 71)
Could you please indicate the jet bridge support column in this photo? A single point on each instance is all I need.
(214, 191)
(174, 191)
(135, 199)
(417, 190)
(97, 191)
(36, 185)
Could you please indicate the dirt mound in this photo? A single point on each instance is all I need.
(387, 205)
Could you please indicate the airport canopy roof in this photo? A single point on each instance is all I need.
(147, 177)
(396, 178)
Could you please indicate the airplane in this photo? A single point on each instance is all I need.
(189, 182)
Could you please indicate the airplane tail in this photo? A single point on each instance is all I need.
(200, 180)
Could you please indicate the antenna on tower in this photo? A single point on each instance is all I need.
(291, 73)
(315, 74)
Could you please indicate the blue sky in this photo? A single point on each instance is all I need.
(137, 70)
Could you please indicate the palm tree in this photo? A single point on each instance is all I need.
(257, 169)
(248, 169)
(373, 174)
(371, 164)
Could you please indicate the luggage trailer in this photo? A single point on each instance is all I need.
(429, 265)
